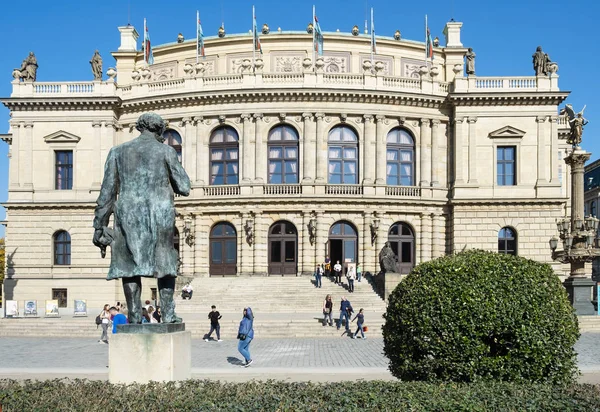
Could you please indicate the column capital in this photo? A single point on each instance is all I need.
(435, 122)
(540, 119)
(28, 125)
(368, 118)
(307, 116)
(380, 118)
(96, 123)
(425, 122)
(472, 120)
(459, 120)
(246, 117)
(258, 116)
(185, 121)
(320, 116)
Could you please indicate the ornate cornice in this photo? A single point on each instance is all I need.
(58, 103)
(507, 99)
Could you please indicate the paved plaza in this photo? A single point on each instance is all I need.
(315, 359)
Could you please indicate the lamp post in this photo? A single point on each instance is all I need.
(579, 239)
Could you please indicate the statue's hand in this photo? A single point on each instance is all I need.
(97, 235)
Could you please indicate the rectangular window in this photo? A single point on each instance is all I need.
(64, 170)
(61, 296)
(506, 166)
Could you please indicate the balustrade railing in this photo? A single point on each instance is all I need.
(406, 191)
(228, 190)
(282, 189)
(166, 85)
(402, 83)
(62, 87)
(506, 83)
(223, 80)
(343, 78)
(344, 189)
(283, 78)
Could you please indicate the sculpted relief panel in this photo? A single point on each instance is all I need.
(209, 64)
(287, 64)
(235, 62)
(410, 68)
(388, 63)
(164, 71)
(336, 62)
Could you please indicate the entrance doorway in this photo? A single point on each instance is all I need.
(402, 241)
(223, 250)
(283, 248)
(343, 243)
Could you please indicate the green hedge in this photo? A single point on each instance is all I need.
(480, 315)
(193, 395)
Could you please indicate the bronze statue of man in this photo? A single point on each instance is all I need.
(140, 177)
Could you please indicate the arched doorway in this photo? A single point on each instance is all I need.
(402, 241)
(283, 249)
(343, 243)
(223, 250)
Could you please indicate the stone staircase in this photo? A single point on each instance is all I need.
(284, 307)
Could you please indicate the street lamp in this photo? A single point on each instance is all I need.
(553, 243)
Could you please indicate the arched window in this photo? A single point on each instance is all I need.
(283, 155)
(402, 242)
(62, 248)
(593, 208)
(400, 158)
(173, 139)
(343, 156)
(224, 164)
(223, 249)
(343, 242)
(507, 241)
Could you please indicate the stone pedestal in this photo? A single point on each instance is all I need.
(391, 280)
(580, 295)
(150, 352)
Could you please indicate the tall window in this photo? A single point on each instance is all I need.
(400, 158)
(593, 208)
(283, 155)
(62, 248)
(343, 156)
(402, 242)
(507, 241)
(224, 164)
(173, 139)
(61, 296)
(64, 170)
(506, 166)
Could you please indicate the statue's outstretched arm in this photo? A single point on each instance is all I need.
(180, 181)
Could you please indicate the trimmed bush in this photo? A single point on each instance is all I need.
(480, 315)
(193, 395)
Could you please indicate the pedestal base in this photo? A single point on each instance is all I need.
(391, 280)
(580, 295)
(144, 353)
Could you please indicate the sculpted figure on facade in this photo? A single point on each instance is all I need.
(96, 63)
(140, 178)
(470, 56)
(388, 261)
(28, 69)
(576, 122)
(541, 61)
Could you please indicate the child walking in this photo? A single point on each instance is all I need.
(361, 320)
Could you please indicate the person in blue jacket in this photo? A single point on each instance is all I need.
(117, 318)
(245, 335)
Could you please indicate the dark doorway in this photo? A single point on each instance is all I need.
(402, 241)
(343, 243)
(283, 249)
(223, 250)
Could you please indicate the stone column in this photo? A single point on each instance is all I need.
(459, 153)
(308, 156)
(97, 167)
(260, 151)
(425, 152)
(189, 146)
(321, 150)
(202, 151)
(247, 267)
(15, 155)
(438, 235)
(308, 263)
(201, 246)
(382, 237)
(381, 151)
(436, 152)
(369, 150)
(553, 149)
(322, 237)
(366, 259)
(425, 237)
(247, 160)
(189, 264)
(27, 149)
(472, 151)
(261, 239)
(542, 163)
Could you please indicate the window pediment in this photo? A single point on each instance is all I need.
(506, 132)
(62, 137)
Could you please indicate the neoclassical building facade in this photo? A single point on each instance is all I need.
(292, 157)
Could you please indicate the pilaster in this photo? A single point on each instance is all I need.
(381, 151)
(366, 260)
(248, 157)
(309, 140)
(459, 152)
(260, 151)
(321, 146)
(189, 145)
(542, 166)
(425, 161)
(15, 154)
(425, 237)
(202, 151)
(369, 149)
(202, 246)
(553, 130)
(307, 263)
(436, 153)
(260, 244)
(322, 235)
(27, 150)
(438, 236)
(97, 169)
(472, 151)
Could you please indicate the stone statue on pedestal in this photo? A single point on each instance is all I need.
(140, 177)
(388, 261)
(96, 63)
(28, 69)
(576, 122)
(470, 61)
(541, 61)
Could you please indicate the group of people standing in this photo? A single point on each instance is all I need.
(353, 272)
(346, 312)
(116, 315)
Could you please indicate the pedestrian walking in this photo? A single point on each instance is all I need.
(351, 276)
(345, 313)
(328, 311)
(157, 314)
(327, 266)
(145, 316)
(361, 320)
(245, 336)
(214, 317)
(318, 275)
(105, 319)
(117, 318)
(337, 269)
(151, 312)
(358, 273)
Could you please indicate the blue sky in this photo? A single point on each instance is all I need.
(504, 34)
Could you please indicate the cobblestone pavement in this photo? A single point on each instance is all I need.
(287, 359)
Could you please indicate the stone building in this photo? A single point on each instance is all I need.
(292, 157)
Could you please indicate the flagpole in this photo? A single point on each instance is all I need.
(313, 36)
(197, 35)
(145, 51)
(426, 40)
(253, 40)
(372, 36)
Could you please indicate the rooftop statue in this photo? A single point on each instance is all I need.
(140, 177)
(28, 69)
(541, 61)
(576, 121)
(388, 261)
(470, 61)
(96, 63)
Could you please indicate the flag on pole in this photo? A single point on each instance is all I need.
(148, 56)
(318, 34)
(428, 41)
(373, 42)
(199, 38)
(256, 39)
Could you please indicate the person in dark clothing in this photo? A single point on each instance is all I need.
(214, 317)
(345, 313)
(156, 314)
(361, 320)
(328, 311)
(318, 276)
(245, 335)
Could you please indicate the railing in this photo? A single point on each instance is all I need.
(402, 83)
(223, 80)
(343, 78)
(282, 190)
(228, 190)
(285, 78)
(57, 88)
(344, 189)
(406, 191)
(506, 83)
(166, 85)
